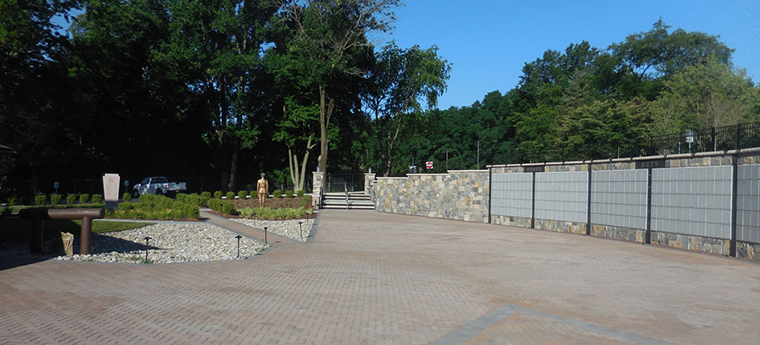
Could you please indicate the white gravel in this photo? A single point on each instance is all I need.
(286, 228)
(170, 242)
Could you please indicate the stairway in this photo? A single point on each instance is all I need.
(356, 201)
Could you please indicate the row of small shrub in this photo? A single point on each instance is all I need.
(156, 207)
(225, 207)
(55, 199)
(275, 213)
(199, 200)
(244, 194)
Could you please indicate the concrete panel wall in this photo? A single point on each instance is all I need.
(692, 201)
(562, 196)
(511, 194)
(748, 203)
(619, 198)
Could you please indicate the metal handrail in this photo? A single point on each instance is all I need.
(345, 189)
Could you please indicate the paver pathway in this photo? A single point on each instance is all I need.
(373, 278)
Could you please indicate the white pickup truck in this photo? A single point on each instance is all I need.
(157, 185)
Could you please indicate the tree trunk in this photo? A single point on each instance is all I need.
(325, 111)
(232, 184)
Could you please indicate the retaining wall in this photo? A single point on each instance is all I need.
(462, 195)
(684, 201)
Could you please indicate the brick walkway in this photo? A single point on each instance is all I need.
(372, 278)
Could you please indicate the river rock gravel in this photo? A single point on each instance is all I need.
(287, 228)
(169, 243)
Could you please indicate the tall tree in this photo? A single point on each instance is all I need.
(404, 79)
(215, 48)
(330, 38)
(705, 95)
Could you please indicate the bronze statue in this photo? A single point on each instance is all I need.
(262, 189)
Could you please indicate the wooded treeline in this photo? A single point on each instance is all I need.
(231, 88)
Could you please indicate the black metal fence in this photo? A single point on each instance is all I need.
(734, 137)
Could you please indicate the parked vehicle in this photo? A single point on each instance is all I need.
(157, 185)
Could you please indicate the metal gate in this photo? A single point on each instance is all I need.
(342, 182)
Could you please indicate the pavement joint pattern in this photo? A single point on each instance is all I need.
(372, 278)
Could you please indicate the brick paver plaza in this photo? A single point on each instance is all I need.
(374, 278)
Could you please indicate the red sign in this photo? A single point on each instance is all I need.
(429, 165)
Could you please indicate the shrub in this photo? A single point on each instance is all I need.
(225, 207)
(84, 198)
(203, 200)
(40, 199)
(155, 207)
(300, 193)
(230, 195)
(97, 198)
(11, 201)
(242, 194)
(277, 193)
(254, 194)
(194, 199)
(181, 197)
(218, 194)
(55, 199)
(127, 197)
(71, 199)
(305, 201)
(289, 193)
(276, 213)
(229, 208)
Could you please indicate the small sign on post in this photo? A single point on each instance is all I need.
(55, 185)
(429, 165)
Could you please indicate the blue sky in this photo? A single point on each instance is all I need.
(489, 41)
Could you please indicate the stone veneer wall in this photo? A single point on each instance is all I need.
(459, 194)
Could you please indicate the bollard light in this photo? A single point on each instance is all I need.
(238, 238)
(265, 235)
(147, 241)
(300, 229)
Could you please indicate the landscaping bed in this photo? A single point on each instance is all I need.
(283, 202)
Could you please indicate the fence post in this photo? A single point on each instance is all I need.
(588, 206)
(533, 204)
(712, 135)
(739, 136)
(734, 201)
(648, 231)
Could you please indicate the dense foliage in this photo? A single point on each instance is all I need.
(226, 89)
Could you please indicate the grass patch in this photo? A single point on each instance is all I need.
(16, 230)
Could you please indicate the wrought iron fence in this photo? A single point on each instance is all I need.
(741, 136)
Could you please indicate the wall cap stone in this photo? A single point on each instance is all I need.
(485, 171)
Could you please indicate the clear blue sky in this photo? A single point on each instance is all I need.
(489, 41)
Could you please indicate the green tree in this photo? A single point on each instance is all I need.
(329, 43)
(403, 78)
(214, 48)
(705, 95)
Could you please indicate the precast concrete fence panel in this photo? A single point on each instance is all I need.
(692, 201)
(748, 204)
(512, 194)
(619, 198)
(562, 196)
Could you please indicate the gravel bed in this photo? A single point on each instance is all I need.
(170, 242)
(286, 228)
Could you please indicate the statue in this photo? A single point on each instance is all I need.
(262, 189)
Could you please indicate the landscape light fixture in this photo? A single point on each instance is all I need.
(147, 240)
(238, 238)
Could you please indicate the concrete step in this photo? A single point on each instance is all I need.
(352, 207)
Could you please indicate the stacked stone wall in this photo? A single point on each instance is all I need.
(461, 195)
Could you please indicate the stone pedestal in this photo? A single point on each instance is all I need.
(369, 180)
(111, 190)
(318, 183)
